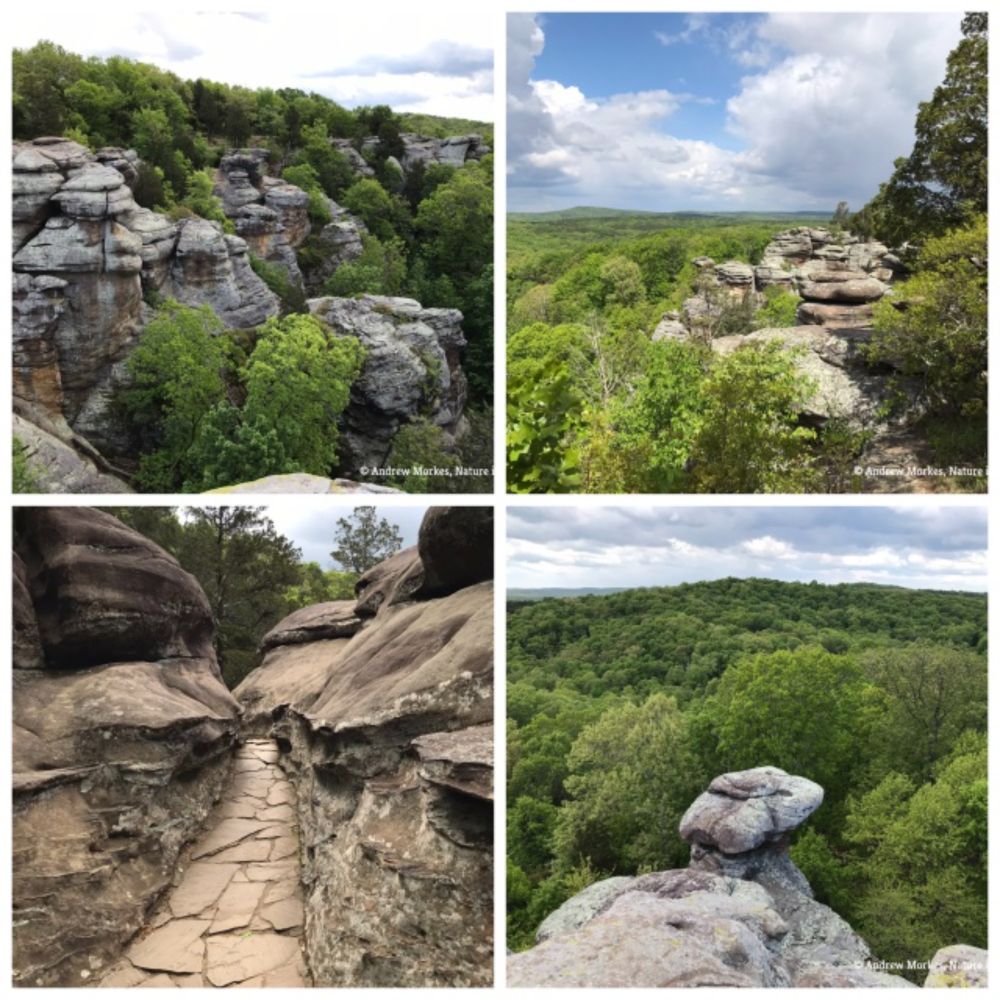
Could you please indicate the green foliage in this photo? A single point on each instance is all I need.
(330, 165)
(380, 270)
(276, 278)
(934, 327)
(297, 367)
(923, 858)
(943, 182)
(177, 374)
(778, 310)
(621, 707)
(304, 176)
(179, 409)
(626, 796)
(201, 201)
(23, 477)
(319, 586)
(364, 539)
(385, 216)
(749, 440)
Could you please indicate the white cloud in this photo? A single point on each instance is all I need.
(828, 104)
(416, 57)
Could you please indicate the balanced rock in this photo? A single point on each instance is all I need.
(743, 810)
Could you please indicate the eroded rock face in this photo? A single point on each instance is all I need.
(412, 369)
(84, 256)
(740, 915)
(337, 243)
(122, 735)
(384, 714)
(269, 214)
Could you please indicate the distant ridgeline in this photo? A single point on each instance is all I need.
(623, 707)
(756, 352)
(187, 252)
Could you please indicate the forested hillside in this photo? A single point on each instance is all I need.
(850, 342)
(622, 707)
(233, 221)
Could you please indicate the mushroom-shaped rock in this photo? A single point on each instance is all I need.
(743, 810)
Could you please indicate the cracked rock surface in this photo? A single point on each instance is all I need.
(233, 915)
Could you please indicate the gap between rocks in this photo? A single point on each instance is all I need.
(234, 915)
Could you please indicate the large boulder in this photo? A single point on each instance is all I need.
(122, 736)
(383, 707)
(412, 368)
(958, 965)
(744, 810)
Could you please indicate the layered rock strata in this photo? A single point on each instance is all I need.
(382, 708)
(85, 256)
(122, 736)
(412, 369)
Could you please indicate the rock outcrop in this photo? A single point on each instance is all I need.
(958, 965)
(303, 482)
(412, 369)
(742, 914)
(453, 150)
(85, 256)
(337, 243)
(382, 708)
(270, 214)
(122, 736)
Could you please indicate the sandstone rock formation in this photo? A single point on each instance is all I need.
(84, 257)
(303, 482)
(269, 214)
(233, 915)
(337, 243)
(412, 369)
(742, 914)
(453, 151)
(122, 732)
(382, 710)
(959, 965)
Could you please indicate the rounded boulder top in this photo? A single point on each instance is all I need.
(743, 810)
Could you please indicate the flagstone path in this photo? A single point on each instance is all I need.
(234, 914)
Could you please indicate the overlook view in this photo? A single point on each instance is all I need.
(760, 762)
(279, 280)
(730, 269)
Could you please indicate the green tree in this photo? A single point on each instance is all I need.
(801, 710)
(176, 377)
(631, 776)
(924, 858)
(318, 586)
(622, 281)
(944, 179)
(385, 216)
(750, 440)
(364, 539)
(244, 566)
(934, 327)
(925, 697)
(379, 270)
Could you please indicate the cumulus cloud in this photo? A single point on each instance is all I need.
(936, 547)
(827, 103)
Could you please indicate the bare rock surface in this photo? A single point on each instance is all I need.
(85, 255)
(740, 915)
(412, 368)
(387, 736)
(304, 482)
(122, 735)
(234, 915)
(958, 965)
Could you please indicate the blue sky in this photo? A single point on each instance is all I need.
(778, 111)
(932, 547)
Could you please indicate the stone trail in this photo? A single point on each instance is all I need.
(234, 916)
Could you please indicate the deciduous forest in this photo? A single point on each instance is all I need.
(622, 707)
(858, 338)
